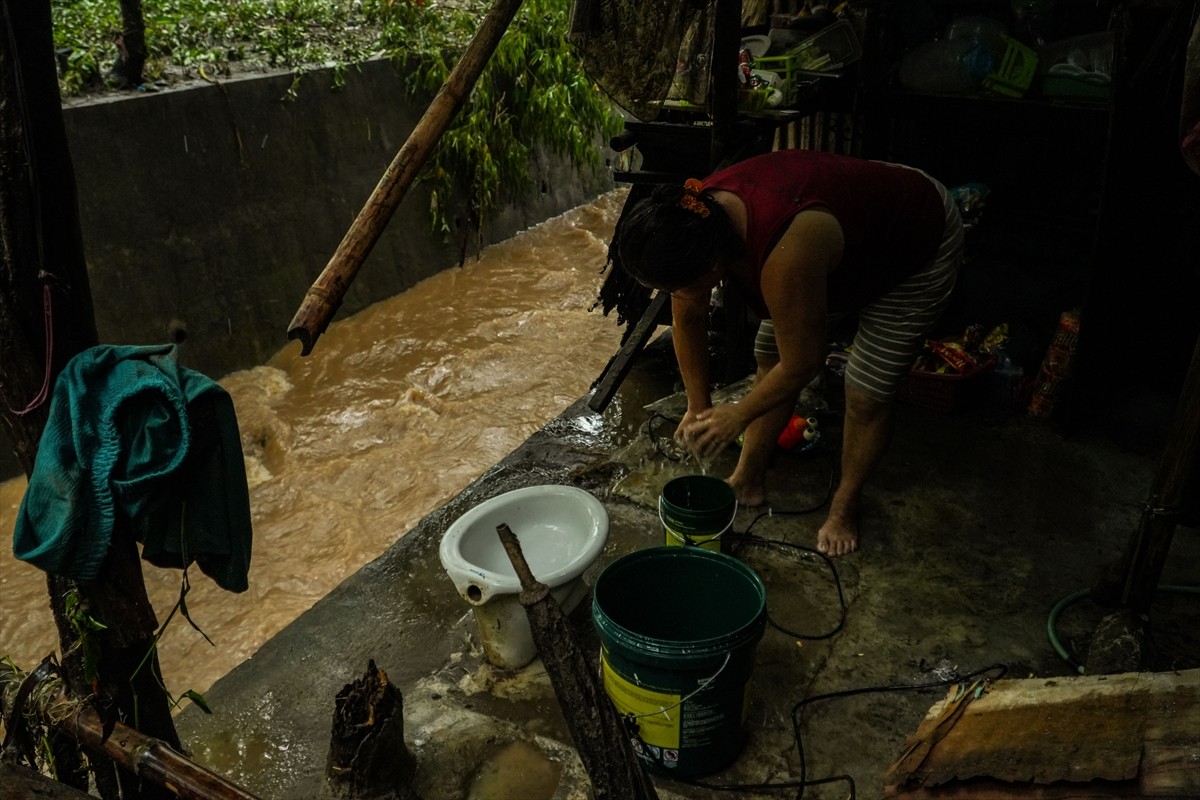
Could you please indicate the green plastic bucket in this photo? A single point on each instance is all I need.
(678, 628)
(697, 510)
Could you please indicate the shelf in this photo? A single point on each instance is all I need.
(976, 100)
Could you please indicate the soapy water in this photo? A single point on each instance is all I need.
(395, 412)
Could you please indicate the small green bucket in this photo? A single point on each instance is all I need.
(697, 510)
(678, 629)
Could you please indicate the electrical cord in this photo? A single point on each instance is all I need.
(798, 713)
(743, 538)
(837, 583)
(803, 782)
(657, 440)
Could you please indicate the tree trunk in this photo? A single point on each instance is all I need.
(46, 318)
(41, 252)
(131, 47)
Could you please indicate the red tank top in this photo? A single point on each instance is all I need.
(892, 218)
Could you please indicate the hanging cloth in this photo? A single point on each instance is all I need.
(134, 438)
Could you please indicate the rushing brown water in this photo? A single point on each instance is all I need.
(396, 411)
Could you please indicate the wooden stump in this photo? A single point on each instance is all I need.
(367, 754)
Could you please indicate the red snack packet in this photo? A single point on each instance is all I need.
(955, 355)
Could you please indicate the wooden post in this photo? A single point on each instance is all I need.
(42, 266)
(1176, 475)
(46, 318)
(325, 295)
(618, 368)
(723, 81)
(601, 740)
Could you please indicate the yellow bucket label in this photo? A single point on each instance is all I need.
(708, 541)
(658, 713)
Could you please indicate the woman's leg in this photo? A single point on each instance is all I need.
(867, 429)
(891, 333)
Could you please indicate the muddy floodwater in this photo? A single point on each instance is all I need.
(396, 411)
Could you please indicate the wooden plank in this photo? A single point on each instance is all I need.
(620, 365)
(1130, 735)
(1171, 759)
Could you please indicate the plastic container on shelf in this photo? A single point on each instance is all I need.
(975, 56)
(829, 49)
(1013, 75)
(954, 66)
(1079, 68)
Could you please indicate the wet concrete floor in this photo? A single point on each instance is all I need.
(977, 524)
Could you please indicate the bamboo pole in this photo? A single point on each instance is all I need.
(325, 295)
(145, 756)
(151, 759)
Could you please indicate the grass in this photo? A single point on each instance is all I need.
(533, 93)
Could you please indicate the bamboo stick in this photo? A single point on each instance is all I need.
(325, 295)
(148, 758)
(151, 759)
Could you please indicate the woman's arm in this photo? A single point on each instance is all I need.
(689, 335)
(794, 286)
(794, 282)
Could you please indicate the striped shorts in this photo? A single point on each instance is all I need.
(892, 329)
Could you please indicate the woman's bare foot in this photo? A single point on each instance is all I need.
(838, 536)
(749, 494)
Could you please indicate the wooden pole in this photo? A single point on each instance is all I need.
(46, 318)
(325, 295)
(1151, 543)
(151, 759)
(723, 81)
(46, 312)
(603, 744)
(619, 367)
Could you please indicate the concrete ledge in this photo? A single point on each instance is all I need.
(975, 525)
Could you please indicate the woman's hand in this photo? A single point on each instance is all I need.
(685, 424)
(710, 431)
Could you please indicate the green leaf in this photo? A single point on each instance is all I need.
(198, 699)
(532, 94)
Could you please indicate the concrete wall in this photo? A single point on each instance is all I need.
(212, 209)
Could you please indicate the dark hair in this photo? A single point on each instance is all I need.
(666, 246)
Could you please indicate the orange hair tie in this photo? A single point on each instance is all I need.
(690, 199)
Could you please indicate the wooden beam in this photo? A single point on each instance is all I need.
(723, 80)
(618, 368)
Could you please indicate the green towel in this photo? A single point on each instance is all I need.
(134, 439)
